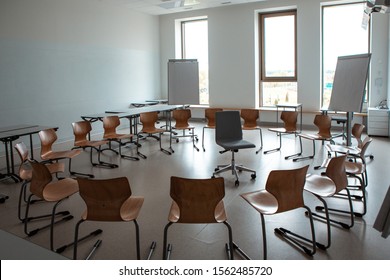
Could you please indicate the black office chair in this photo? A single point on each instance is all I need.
(228, 135)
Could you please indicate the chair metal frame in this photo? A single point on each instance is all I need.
(250, 117)
(289, 119)
(110, 124)
(182, 117)
(81, 131)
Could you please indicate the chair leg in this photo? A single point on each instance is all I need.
(203, 139)
(307, 157)
(279, 135)
(137, 239)
(350, 212)
(293, 237)
(261, 141)
(100, 162)
(297, 154)
(66, 217)
(77, 240)
(74, 173)
(165, 247)
(231, 246)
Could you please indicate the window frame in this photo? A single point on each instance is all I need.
(323, 7)
(262, 17)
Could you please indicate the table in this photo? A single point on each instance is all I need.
(296, 107)
(17, 248)
(145, 103)
(11, 133)
(133, 113)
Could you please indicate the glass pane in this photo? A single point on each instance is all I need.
(195, 45)
(279, 47)
(279, 93)
(342, 35)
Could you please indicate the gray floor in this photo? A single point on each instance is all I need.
(150, 178)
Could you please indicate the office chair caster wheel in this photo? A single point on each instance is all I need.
(177, 140)
(216, 169)
(236, 183)
(371, 157)
(212, 177)
(253, 176)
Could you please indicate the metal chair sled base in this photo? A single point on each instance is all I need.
(66, 217)
(167, 247)
(165, 151)
(279, 135)
(293, 238)
(193, 136)
(98, 231)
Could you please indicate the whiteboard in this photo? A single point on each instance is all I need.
(183, 82)
(349, 83)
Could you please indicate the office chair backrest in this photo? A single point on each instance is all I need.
(197, 198)
(290, 120)
(228, 126)
(287, 187)
(324, 123)
(81, 130)
(104, 197)
(336, 171)
(47, 137)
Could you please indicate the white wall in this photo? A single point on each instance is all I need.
(60, 59)
(233, 58)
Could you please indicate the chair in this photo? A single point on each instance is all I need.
(289, 119)
(43, 187)
(357, 131)
(181, 117)
(210, 117)
(108, 200)
(149, 128)
(357, 172)
(283, 192)
(250, 117)
(228, 135)
(323, 123)
(81, 130)
(333, 181)
(110, 124)
(25, 172)
(197, 201)
(48, 137)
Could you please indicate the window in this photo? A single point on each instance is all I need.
(194, 45)
(342, 34)
(278, 58)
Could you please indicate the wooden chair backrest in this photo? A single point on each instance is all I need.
(336, 171)
(287, 187)
(40, 178)
(323, 123)
(149, 120)
(210, 115)
(181, 117)
(81, 130)
(290, 120)
(110, 123)
(197, 198)
(104, 197)
(250, 117)
(47, 137)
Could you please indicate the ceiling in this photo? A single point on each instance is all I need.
(161, 7)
